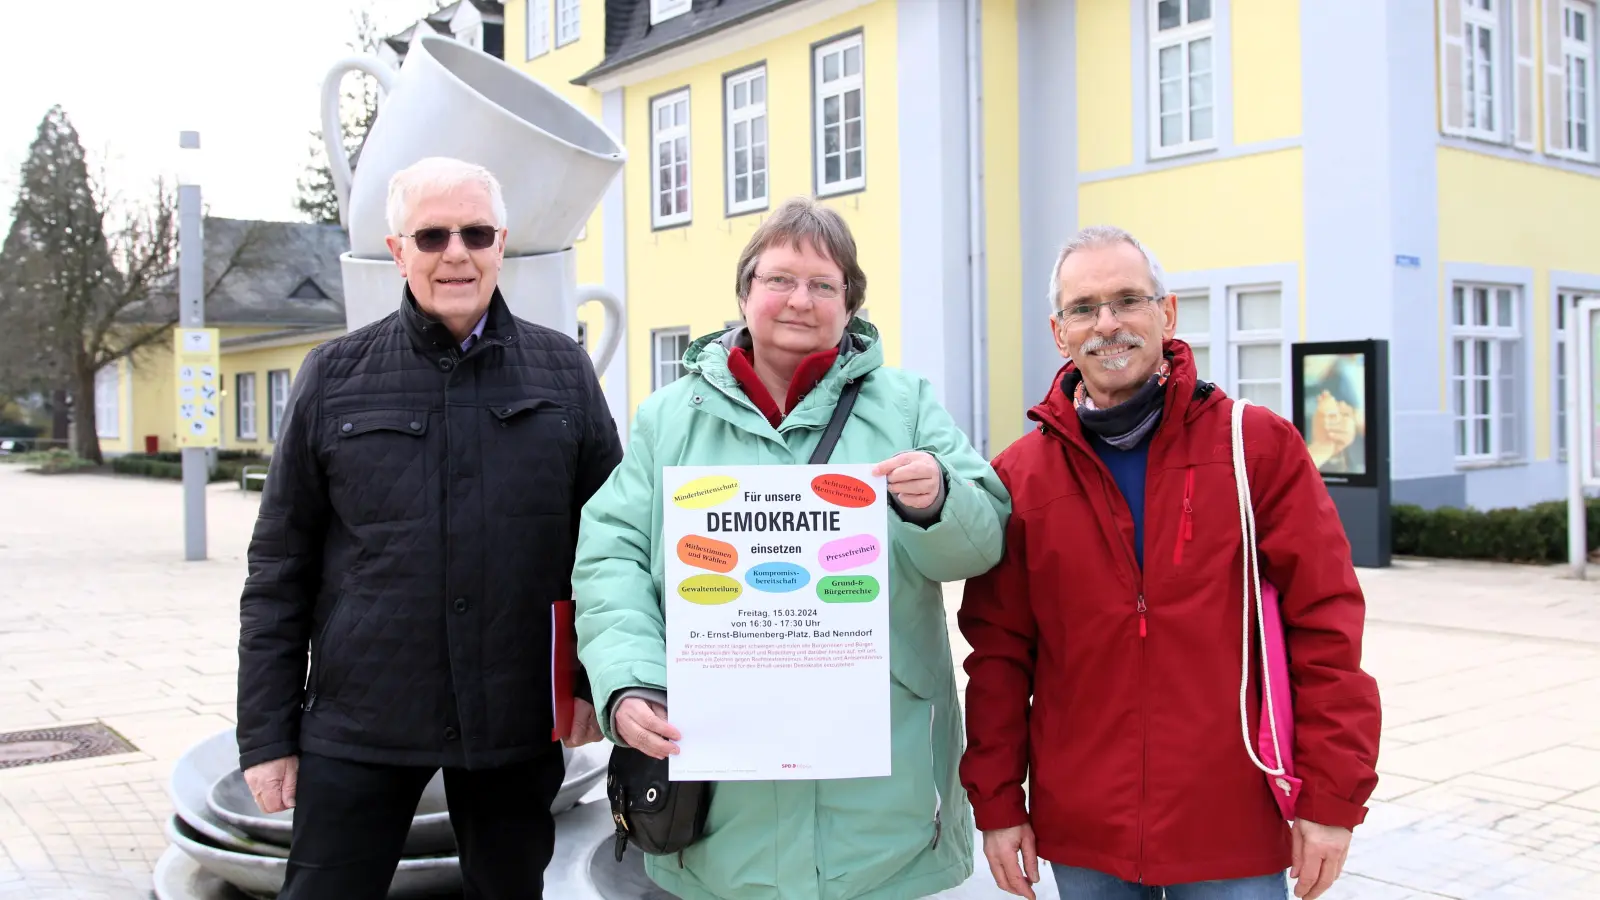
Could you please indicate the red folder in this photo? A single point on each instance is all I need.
(563, 666)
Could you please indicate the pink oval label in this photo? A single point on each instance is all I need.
(848, 553)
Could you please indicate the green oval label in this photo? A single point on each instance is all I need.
(847, 589)
(710, 590)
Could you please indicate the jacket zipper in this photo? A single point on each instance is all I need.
(933, 765)
(1144, 741)
(1144, 711)
(1186, 523)
(311, 682)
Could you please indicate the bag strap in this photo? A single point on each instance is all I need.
(841, 412)
(1252, 581)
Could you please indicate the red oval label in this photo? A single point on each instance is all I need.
(842, 490)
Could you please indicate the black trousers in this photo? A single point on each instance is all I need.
(351, 821)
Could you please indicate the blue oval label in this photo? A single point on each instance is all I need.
(777, 577)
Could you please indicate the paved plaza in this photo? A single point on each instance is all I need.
(1490, 678)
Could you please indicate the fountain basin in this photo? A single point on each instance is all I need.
(262, 876)
(230, 801)
(210, 796)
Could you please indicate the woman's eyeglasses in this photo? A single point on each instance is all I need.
(817, 288)
(473, 237)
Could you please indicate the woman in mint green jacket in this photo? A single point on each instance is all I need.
(761, 394)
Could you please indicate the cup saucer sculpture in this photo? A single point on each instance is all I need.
(554, 163)
(223, 848)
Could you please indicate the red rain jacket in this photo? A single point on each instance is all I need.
(1132, 742)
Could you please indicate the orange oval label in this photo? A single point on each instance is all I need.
(842, 490)
(705, 553)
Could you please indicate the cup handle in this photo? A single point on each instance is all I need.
(612, 336)
(332, 128)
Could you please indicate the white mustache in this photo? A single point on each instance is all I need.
(1121, 338)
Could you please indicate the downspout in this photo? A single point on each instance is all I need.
(977, 260)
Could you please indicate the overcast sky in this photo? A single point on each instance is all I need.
(246, 74)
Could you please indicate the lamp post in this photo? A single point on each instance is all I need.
(192, 314)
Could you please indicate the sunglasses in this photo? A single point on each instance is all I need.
(434, 240)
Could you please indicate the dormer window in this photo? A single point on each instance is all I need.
(662, 10)
(307, 290)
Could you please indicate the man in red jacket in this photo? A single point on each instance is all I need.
(1118, 611)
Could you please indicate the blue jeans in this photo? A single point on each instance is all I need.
(1087, 884)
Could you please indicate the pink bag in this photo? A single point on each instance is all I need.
(1275, 728)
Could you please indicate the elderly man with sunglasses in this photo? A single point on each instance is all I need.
(416, 536)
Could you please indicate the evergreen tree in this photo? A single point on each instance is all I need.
(317, 199)
(62, 291)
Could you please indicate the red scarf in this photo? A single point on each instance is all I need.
(806, 376)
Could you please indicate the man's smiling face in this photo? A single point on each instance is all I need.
(453, 285)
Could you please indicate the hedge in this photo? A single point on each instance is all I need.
(1534, 534)
(170, 465)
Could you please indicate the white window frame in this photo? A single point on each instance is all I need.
(277, 402)
(108, 402)
(1506, 405)
(1198, 338)
(1239, 338)
(1474, 19)
(1566, 306)
(670, 136)
(840, 87)
(663, 365)
(1571, 51)
(245, 405)
(748, 116)
(662, 10)
(567, 21)
(1185, 35)
(538, 28)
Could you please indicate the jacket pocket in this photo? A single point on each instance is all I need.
(319, 644)
(531, 448)
(378, 469)
(1185, 518)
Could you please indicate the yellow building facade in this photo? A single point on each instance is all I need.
(726, 112)
(1422, 173)
(273, 293)
(1304, 171)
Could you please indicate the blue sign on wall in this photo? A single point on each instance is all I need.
(1408, 262)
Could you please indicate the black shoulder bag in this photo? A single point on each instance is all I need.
(659, 816)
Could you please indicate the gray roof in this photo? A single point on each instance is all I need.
(271, 273)
(491, 10)
(246, 341)
(630, 37)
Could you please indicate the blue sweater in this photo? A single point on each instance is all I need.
(1128, 470)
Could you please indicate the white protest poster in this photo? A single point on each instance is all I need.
(777, 619)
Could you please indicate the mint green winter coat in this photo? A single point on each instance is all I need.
(902, 836)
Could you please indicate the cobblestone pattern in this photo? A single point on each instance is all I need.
(1490, 756)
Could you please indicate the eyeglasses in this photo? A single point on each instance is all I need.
(1084, 313)
(434, 240)
(817, 288)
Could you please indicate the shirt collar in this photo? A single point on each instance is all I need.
(477, 332)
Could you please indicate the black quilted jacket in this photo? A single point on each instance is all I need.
(419, 518)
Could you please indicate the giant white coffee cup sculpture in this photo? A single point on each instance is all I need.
(553, 161)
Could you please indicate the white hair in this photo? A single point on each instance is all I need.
(1102, 236)
(439, 174)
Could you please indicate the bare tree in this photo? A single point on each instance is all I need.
(317, 199)
(73, 297)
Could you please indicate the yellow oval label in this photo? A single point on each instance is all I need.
(704, 493)
(710, 590)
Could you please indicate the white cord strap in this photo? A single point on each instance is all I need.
(1252, 580)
